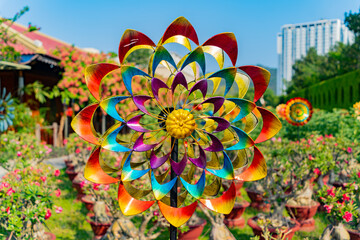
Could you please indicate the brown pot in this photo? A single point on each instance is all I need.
(304, 215)
(194, 231)
(99, 229)
(258, 232)
(71, 173)
(89, 203)
(258, 201)
(354, 234)
(234, 218)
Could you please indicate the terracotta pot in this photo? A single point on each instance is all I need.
(304, 215)
(234, 218)
(354, 235)
(71, 173)
(258, 201)
(99, 229)
(78, 188)
(89, 203)
(194, 231)
(258, 232)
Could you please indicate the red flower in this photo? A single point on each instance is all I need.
(311, 158)
(358, 174)
(89, 148)
(48, 214)
(43, 178)
(317, 171)
(106, 187)
(96, 186)
(328, 208)
(10, 191)
(330, 192)
(8, 210)
(349, 150)
(345, 197)
(347, 216)
(156, 213)
(77, 151)
(57, 172)
(57, 192)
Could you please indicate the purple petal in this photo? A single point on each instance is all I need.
(178, 167)
(139, 101)
(222, 123)
(217, 101)
(215, 145)
(134, 123)
(179, 79)
(200, 85)
(201, 160)
(140, 146)
(156, 84)
(156, 162)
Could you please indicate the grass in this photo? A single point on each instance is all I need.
(71, 223)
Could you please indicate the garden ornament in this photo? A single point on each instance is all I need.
(7, 110)
(298, 111)
(183, 116)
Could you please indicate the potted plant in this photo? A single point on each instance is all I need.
(341, 209)
(26, 200)
(100, 220)
(354, 226)
(234, 218)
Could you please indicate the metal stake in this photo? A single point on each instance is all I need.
(173, 191)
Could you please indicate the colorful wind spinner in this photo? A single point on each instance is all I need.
(298, 111)
(188, 107)
(7, 110)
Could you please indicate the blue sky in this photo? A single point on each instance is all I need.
(100, 24)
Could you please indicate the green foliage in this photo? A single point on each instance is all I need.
(338, 122)
(24, 121)
(19, 150)
(352, 21)
(41, 93)
(141, 57)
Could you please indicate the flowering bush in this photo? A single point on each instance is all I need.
(339, 203)
(26, 200)
(73, 85)
(22, 148)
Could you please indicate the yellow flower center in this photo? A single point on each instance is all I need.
(180, 124)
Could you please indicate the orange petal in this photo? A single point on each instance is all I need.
(93, 171)
(177, 216)
(129, 205)
(94, 74)
(257, 170)
(223, 204)
(83, 124)
(271, 125)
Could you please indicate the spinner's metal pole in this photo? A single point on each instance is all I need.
(173, 191)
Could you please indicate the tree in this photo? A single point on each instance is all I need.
(352, 21)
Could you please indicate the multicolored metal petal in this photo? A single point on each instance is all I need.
(227, 42)
(180, 26)
(160, 190)
(260, 78)
(177, 216)
(227, 172)
(127, 73)
(108, 105)
(129, 174)
(196, 190)
(271, 125)
(257, 170)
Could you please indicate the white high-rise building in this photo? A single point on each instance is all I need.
(295, 40)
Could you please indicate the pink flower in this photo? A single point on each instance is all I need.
(19, 154)
(330, 192)
(89, 148)
(83, 183)
(347, 216)
(48, 214)
(317, 171)
(349, 150)
(96, 186)
(8, 210)
(106, 187)
(345, 197)
(37, 184)
(279, 139)
(319, 139)
(273, 139)
(65, 141)
(58, 209)
(156, 213)
(336, 144)
(16, 171)
(311, 158)
(43, 178)
(57, 172)
(328, 208)
(10, 191)
(358, 174)
(57, 192)
(77, 151)
(5, 185)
